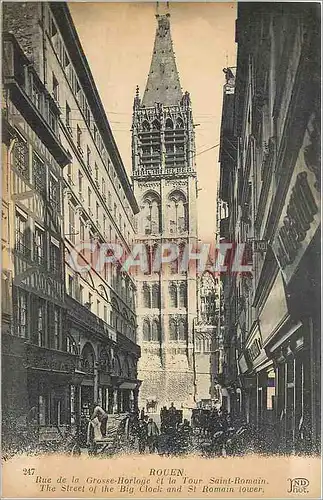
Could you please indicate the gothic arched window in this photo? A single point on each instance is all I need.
(146, 296)
(179, 123)
(155, 296)
(172, 329)
(181, 332)
(151, 214)
(155, 330)
(173, 295)
(182, 295)
(177, 213)
(156, 125)
(145, 126)
(169, 124)
(146, 330)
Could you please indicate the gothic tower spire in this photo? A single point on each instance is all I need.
(163, 84)
(164, 180)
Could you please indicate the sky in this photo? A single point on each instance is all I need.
(118, 38)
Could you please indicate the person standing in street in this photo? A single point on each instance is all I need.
(142, 435)
(152, 435)
(102, 417)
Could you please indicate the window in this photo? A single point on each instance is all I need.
(57, 328)
(36, 94)
(66, 60)
(54, 194)
(98, 307)
(68, 115)
(173, 295)
(146, 296)
(52, 120)
(182, 295)
(22, 313)
(88, 157)
(181, 332)
(92, 241)
(96, 169)
(172, 329)
(145, 126)
(151, 214)
(20, 156)
(90, 300)
(109, 200)
(89, 197)
(115, 211)
(22, 236)
(177, 329)
(40, 322)
(71, 223)
(146, 330)
(82, 232)
(39, 173)
(55, 89)
(155, 295)
(105, 313)
(39, 245)
(156, 125)
(53, 29)
(103, 187)
(177, 213)
(81, 294)
(95, 132)
(80, 182)
(55, 259)
(78, 136)
(155, 331)
(71, 286)
(120, 222)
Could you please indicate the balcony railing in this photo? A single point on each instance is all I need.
(31, 97)
(42, 358)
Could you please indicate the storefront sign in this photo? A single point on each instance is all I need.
(255, 349)
(243, 364)
(260, 246)
(301, 218)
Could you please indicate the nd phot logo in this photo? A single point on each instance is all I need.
(298, 485)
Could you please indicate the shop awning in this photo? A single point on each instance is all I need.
(128, 385)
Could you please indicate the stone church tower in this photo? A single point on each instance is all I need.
(164, 180)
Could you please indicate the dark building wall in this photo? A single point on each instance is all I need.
(25, 20)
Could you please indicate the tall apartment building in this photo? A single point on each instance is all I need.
(78, 192)
(272, 187)
(164, 181)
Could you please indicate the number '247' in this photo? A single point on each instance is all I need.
(28, 472)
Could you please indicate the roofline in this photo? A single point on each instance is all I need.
(68, 31)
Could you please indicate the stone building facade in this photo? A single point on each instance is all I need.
(271, 183)
(164, 181)
(63, 159)
(208, 340)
